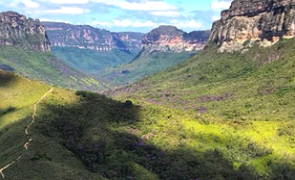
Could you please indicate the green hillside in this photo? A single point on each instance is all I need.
(89, 136)
(238, 106)
(216, 116)
(142, 66)
(91, 61)
(45, 67)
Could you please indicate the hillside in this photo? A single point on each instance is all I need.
(92, 61)
(163, 47)
(25, 49)
(50, 133)
(45, 67)
(92, 50)
(195, 121)
(239, 105)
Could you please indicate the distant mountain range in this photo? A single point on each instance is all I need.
(25, 49)
(87, 37)
(120, 58)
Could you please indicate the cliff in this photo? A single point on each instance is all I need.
(87, 37)
(17, 30)
(249, 22)
(169, 38)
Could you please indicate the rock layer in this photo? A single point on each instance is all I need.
(169, 38)
(17, 30)
(87, 37)
(249, 22)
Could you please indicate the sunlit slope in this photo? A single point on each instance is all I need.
(240, 105)
(18, 98)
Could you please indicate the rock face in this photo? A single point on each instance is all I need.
(87, 37)
(169, 38)
(17, 30)
(249, 22)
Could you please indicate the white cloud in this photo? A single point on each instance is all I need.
(166, 13)
(53, 20)
(150, 5)
(128, 23)
(186, 24)
(125, 23)
(69, 1)
(215, 18)
(67, 10)
(218, 5)
(30, 4)
(147, 5)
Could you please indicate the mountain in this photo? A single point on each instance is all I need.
(163, 47)
(25, 49)
(169, 38)
(91, 50)
(237, 105)
(250, 22)
(88, 37)
(17, 30)
(215, 116)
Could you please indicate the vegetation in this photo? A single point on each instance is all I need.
(142, 66)
(91, 61)
(45, 67)
(216, 116)
(236, 104)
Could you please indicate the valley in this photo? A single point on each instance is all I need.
(80, 102)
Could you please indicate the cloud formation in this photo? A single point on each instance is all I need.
(124, 15)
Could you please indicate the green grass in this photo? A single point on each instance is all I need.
(142, 66)
(216, 116)
(238, 104)
(45, 67)
(91, 61)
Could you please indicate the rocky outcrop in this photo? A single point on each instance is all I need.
(169, 38)
(249, 22)
(87, 37)
(17, 30)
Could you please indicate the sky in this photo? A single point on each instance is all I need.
(123, 15)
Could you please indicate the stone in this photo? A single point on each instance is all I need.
(250, 22)
(17, 30)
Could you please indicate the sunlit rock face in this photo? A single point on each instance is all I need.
(87, 37)
(18, 30)
(169, 38)
(249, 22)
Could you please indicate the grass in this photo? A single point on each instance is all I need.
(142, 66)
(45, 67)
(238, 104)
(91, 61)
(216, 116)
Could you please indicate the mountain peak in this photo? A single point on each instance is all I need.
(170, 38)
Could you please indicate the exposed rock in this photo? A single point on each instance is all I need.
(17, 30)
(249, 22)
(169, 38)
(87, 37)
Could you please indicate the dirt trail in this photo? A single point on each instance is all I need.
(29, 139)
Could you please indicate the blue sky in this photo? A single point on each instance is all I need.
(123, 15)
